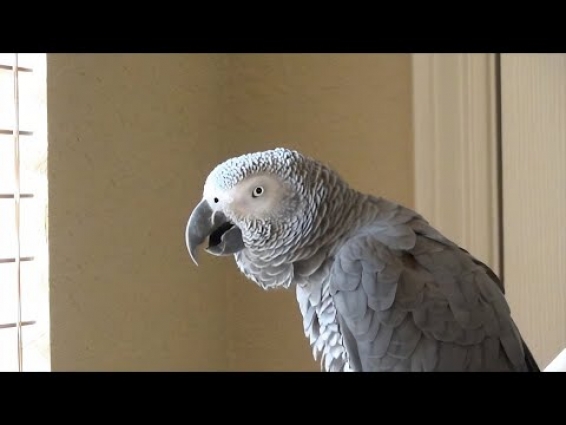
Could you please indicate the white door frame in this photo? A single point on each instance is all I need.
(456, 150)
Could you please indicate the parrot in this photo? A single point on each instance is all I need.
(378, 287)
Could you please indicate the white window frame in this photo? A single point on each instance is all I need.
(30, 350)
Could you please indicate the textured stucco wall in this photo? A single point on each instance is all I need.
(131, 139)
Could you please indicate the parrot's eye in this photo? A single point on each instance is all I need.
(215, 200)
(258, 191)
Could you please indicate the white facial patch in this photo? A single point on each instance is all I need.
(258, 196)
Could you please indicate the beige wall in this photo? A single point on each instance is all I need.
(131, 139)
(534, 173)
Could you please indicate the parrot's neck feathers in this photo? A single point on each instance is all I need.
(321, 326)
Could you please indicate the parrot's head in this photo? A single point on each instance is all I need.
(266, 202)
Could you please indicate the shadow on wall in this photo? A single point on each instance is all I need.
(132, 138)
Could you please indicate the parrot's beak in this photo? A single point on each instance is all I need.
(224, 237)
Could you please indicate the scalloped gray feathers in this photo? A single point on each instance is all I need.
(379, 289)
(424, 307)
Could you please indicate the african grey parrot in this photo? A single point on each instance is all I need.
(379, 289)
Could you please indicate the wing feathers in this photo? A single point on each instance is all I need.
(428, 306)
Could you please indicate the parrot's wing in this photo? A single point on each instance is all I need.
(531, 362)
(429, 307)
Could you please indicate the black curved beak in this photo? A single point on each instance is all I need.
(224, 237)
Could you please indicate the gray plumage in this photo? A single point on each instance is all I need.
(378, 287)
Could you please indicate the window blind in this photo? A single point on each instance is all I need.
(24, 327)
